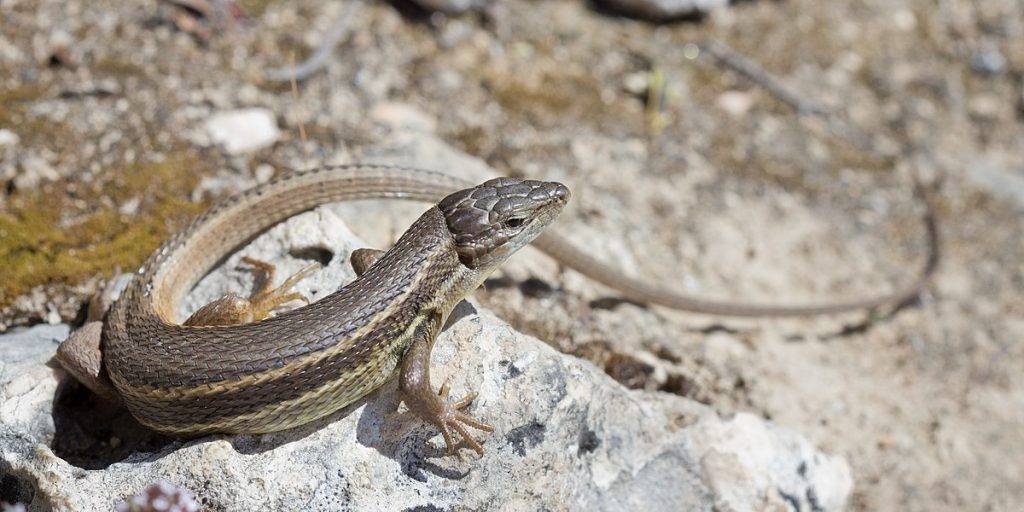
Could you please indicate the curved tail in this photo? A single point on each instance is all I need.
(643, 292)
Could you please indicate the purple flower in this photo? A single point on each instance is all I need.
(162, 496)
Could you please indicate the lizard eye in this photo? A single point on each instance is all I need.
(515, 222)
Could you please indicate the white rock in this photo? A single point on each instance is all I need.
(26, 384)
(735, 103)
(402, 116)
(998, 174)
(263, 173)
(8, 138)
(243, 131)
(636, 83)
(35, 170)
(566, 434)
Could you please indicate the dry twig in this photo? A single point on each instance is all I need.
(728, 58)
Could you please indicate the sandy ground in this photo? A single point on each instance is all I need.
(711, 185)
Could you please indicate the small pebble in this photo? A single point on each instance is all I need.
(988, 62)
(636, 83)
(263, 173)
(9, 138)
(243, 131)
(403, 117)
(735, 103)
(34, 170)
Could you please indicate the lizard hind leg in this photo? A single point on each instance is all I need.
(81, 353)
(232, 309)
(81, 356)
(267, 297)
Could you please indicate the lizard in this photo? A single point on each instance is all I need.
(233, 367)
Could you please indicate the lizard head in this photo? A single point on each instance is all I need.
(492, 220)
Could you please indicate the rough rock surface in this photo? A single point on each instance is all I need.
(565, 433)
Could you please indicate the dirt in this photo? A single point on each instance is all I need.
(703, 181)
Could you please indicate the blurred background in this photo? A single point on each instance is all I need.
(759, 150)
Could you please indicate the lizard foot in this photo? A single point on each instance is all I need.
(451, 417)
(267, 298)
(233, 309)
(433, 406)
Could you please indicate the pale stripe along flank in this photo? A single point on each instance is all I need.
(330, 396)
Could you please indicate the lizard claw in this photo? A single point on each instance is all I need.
(451, 418)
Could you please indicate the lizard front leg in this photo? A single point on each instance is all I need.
(433, 407)
(415, 387)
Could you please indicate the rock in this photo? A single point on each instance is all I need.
(637, 83)
(243, 131)
(735, 103)
(565, 433)
(664, 10)
(8, 138)
(999, 175)
(27, 386)
(454, 6)
(904, 19)
(986, 107)
(101, 302)
(35, 170)
(988, 62)
(402, 116)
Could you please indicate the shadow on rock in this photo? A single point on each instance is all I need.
(402, 437)
(92, 433)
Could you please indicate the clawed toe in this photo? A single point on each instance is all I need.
(452, 419)
(465, 401)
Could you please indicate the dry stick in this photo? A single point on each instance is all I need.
(319, 59)
(725, 56)
(295, 98)
(755, 73)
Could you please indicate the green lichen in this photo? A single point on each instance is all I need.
(13, 102)
(555, 96)
(64, 235)
(22, 94)
(115, 67)
(255, 8)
